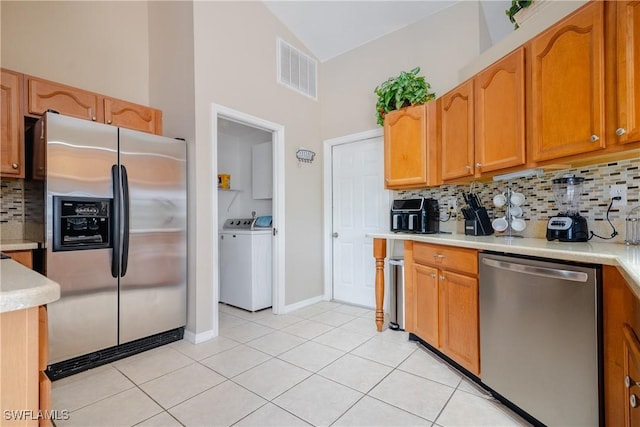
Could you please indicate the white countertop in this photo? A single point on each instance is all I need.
(18, 245)
(625, 258)
(22, 288)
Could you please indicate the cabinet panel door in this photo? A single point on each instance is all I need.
(426, 305)
(567, 86)
(459, 326)
(631, 366)
(12, 140)
(500, 115)
(457, 132)
(66, 100)
(132, 116)
(411, 147)
(628, 71)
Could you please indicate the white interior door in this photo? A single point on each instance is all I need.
(360, 205)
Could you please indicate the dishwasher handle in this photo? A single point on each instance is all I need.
(555, 273)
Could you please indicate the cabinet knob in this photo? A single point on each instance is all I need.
(433, 275)
(633, 401)
(621, 131)
(628, 382)
(438, 257)
(467, 167)
(14, 165)
(478, 165)
(108, 122)
(441, 277)
(595, 138)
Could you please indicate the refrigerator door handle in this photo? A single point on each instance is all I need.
(125, 220)
(115, 255)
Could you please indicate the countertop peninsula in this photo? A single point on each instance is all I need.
(22, 288)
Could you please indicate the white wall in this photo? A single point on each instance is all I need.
(171, 88)
(97, 46)
(235, 66)
(440, 44)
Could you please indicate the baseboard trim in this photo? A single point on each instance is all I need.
(302, 304)
(198, 338)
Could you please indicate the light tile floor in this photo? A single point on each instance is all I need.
(321, 365)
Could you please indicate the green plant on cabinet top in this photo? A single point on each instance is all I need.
(402, 91)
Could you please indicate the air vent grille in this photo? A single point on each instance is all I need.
(297, 70)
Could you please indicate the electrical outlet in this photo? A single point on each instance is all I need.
(452, 205)
(618, 190)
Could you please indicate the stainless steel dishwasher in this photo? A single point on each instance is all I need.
(540, 337)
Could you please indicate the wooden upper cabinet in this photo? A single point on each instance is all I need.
(500, 114)
(411, 147)
(457, 132)
(628, 66)
(567, 86)
(11, 142)
(69, 101)
(132, 116)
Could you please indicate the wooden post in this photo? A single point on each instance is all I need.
(379, 253)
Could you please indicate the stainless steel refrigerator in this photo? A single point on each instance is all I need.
(115, 225)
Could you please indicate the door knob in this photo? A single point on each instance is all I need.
(335, 234)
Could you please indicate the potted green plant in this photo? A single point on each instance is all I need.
(516, 6)
(402, 91)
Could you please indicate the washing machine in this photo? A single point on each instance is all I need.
(246, 263)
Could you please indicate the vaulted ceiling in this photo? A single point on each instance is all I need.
(330, 28)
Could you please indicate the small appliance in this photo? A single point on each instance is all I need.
(419, 215)
(568, 225)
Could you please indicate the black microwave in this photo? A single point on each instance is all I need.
(420, 215)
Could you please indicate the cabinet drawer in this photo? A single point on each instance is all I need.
(447, 257)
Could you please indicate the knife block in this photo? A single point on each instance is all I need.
(479, 225)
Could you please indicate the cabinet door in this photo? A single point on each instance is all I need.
(12, 139)
(631, 366)
(426, 303)
(567, 86)
(410, 147)
(459, 327)
(499, 114)
(457, 132)
(132, 116)
(67, 100)
(628, 126)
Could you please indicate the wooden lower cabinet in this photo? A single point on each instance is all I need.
(441, 300)
(621, 309)
(426, 303)
(459, 326)
(23, 257)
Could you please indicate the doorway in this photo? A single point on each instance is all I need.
(356, 203)
(231, 127)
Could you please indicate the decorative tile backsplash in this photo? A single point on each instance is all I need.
(11, 201)
(539, 204)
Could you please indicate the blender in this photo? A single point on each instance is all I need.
(568, 225)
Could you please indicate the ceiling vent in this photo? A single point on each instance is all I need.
(297, 70)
